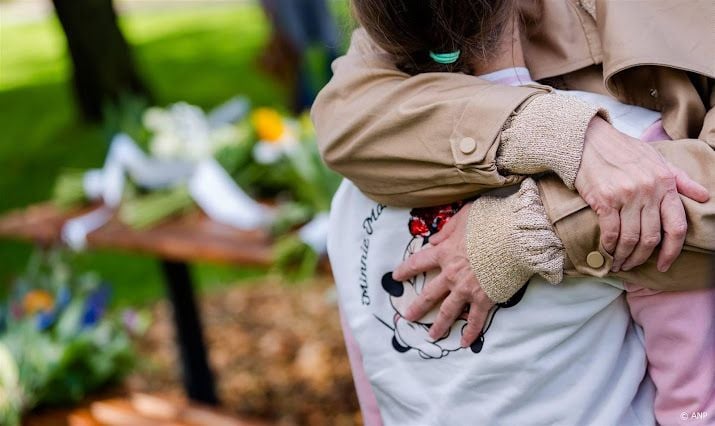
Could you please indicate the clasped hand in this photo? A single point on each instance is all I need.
(632, 189)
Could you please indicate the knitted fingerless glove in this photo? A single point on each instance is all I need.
(509, 240)
(547, 135)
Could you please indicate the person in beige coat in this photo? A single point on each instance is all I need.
(437, 137)
(519, 151)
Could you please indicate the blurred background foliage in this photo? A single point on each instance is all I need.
(200, 52)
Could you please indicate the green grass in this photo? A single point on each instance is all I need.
(202, 56)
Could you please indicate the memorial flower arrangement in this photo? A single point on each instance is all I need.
(248, 168)
(58, 342)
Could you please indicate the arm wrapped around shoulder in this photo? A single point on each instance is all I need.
(547, 134)
(511, 239)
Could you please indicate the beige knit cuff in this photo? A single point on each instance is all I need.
(589, 6)
(509, 240)
(547, 135)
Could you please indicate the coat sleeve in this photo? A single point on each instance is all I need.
(435, 138)
(577, 227)
(708, 132)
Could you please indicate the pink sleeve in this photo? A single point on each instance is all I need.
(679, 329)
(366, 397)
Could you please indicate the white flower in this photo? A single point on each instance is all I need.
(8, 367)
(166, 145)
(269, 152)
(10, 390)
(156, 119)
(180, 132)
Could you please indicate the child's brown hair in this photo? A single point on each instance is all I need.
(411, 29)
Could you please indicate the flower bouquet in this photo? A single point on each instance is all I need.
(284, 165)
(222, 162)
(57, 341)
(312, 186)
(159, 166)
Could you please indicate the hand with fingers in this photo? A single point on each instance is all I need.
(455, 287)
(635, 194)
(632, 189)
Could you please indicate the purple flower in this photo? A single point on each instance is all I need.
(129, 319)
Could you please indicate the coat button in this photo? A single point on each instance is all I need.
(653, 93)
(467, 145)
(595, 259)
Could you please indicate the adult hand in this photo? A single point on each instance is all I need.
(456, 282)
(634, 192)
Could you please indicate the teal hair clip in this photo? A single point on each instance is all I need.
(445, 58)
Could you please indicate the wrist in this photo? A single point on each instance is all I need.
(509, 240)
(599, 130)
(601, 141)
(548, 135)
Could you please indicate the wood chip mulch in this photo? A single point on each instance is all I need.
(276, 350)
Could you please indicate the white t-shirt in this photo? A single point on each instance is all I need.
(553, 355)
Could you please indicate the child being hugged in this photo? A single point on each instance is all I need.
(547, 347)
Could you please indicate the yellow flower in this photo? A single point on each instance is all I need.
(38, 301)
(268, 124)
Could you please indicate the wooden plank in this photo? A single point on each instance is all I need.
(173, 409)
(189, 238)
(154, 410)
(40, 223)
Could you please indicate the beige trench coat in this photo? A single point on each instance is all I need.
(397, 137)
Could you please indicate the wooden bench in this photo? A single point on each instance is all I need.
(176, 242)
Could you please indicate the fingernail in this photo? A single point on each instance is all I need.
(663, 268)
